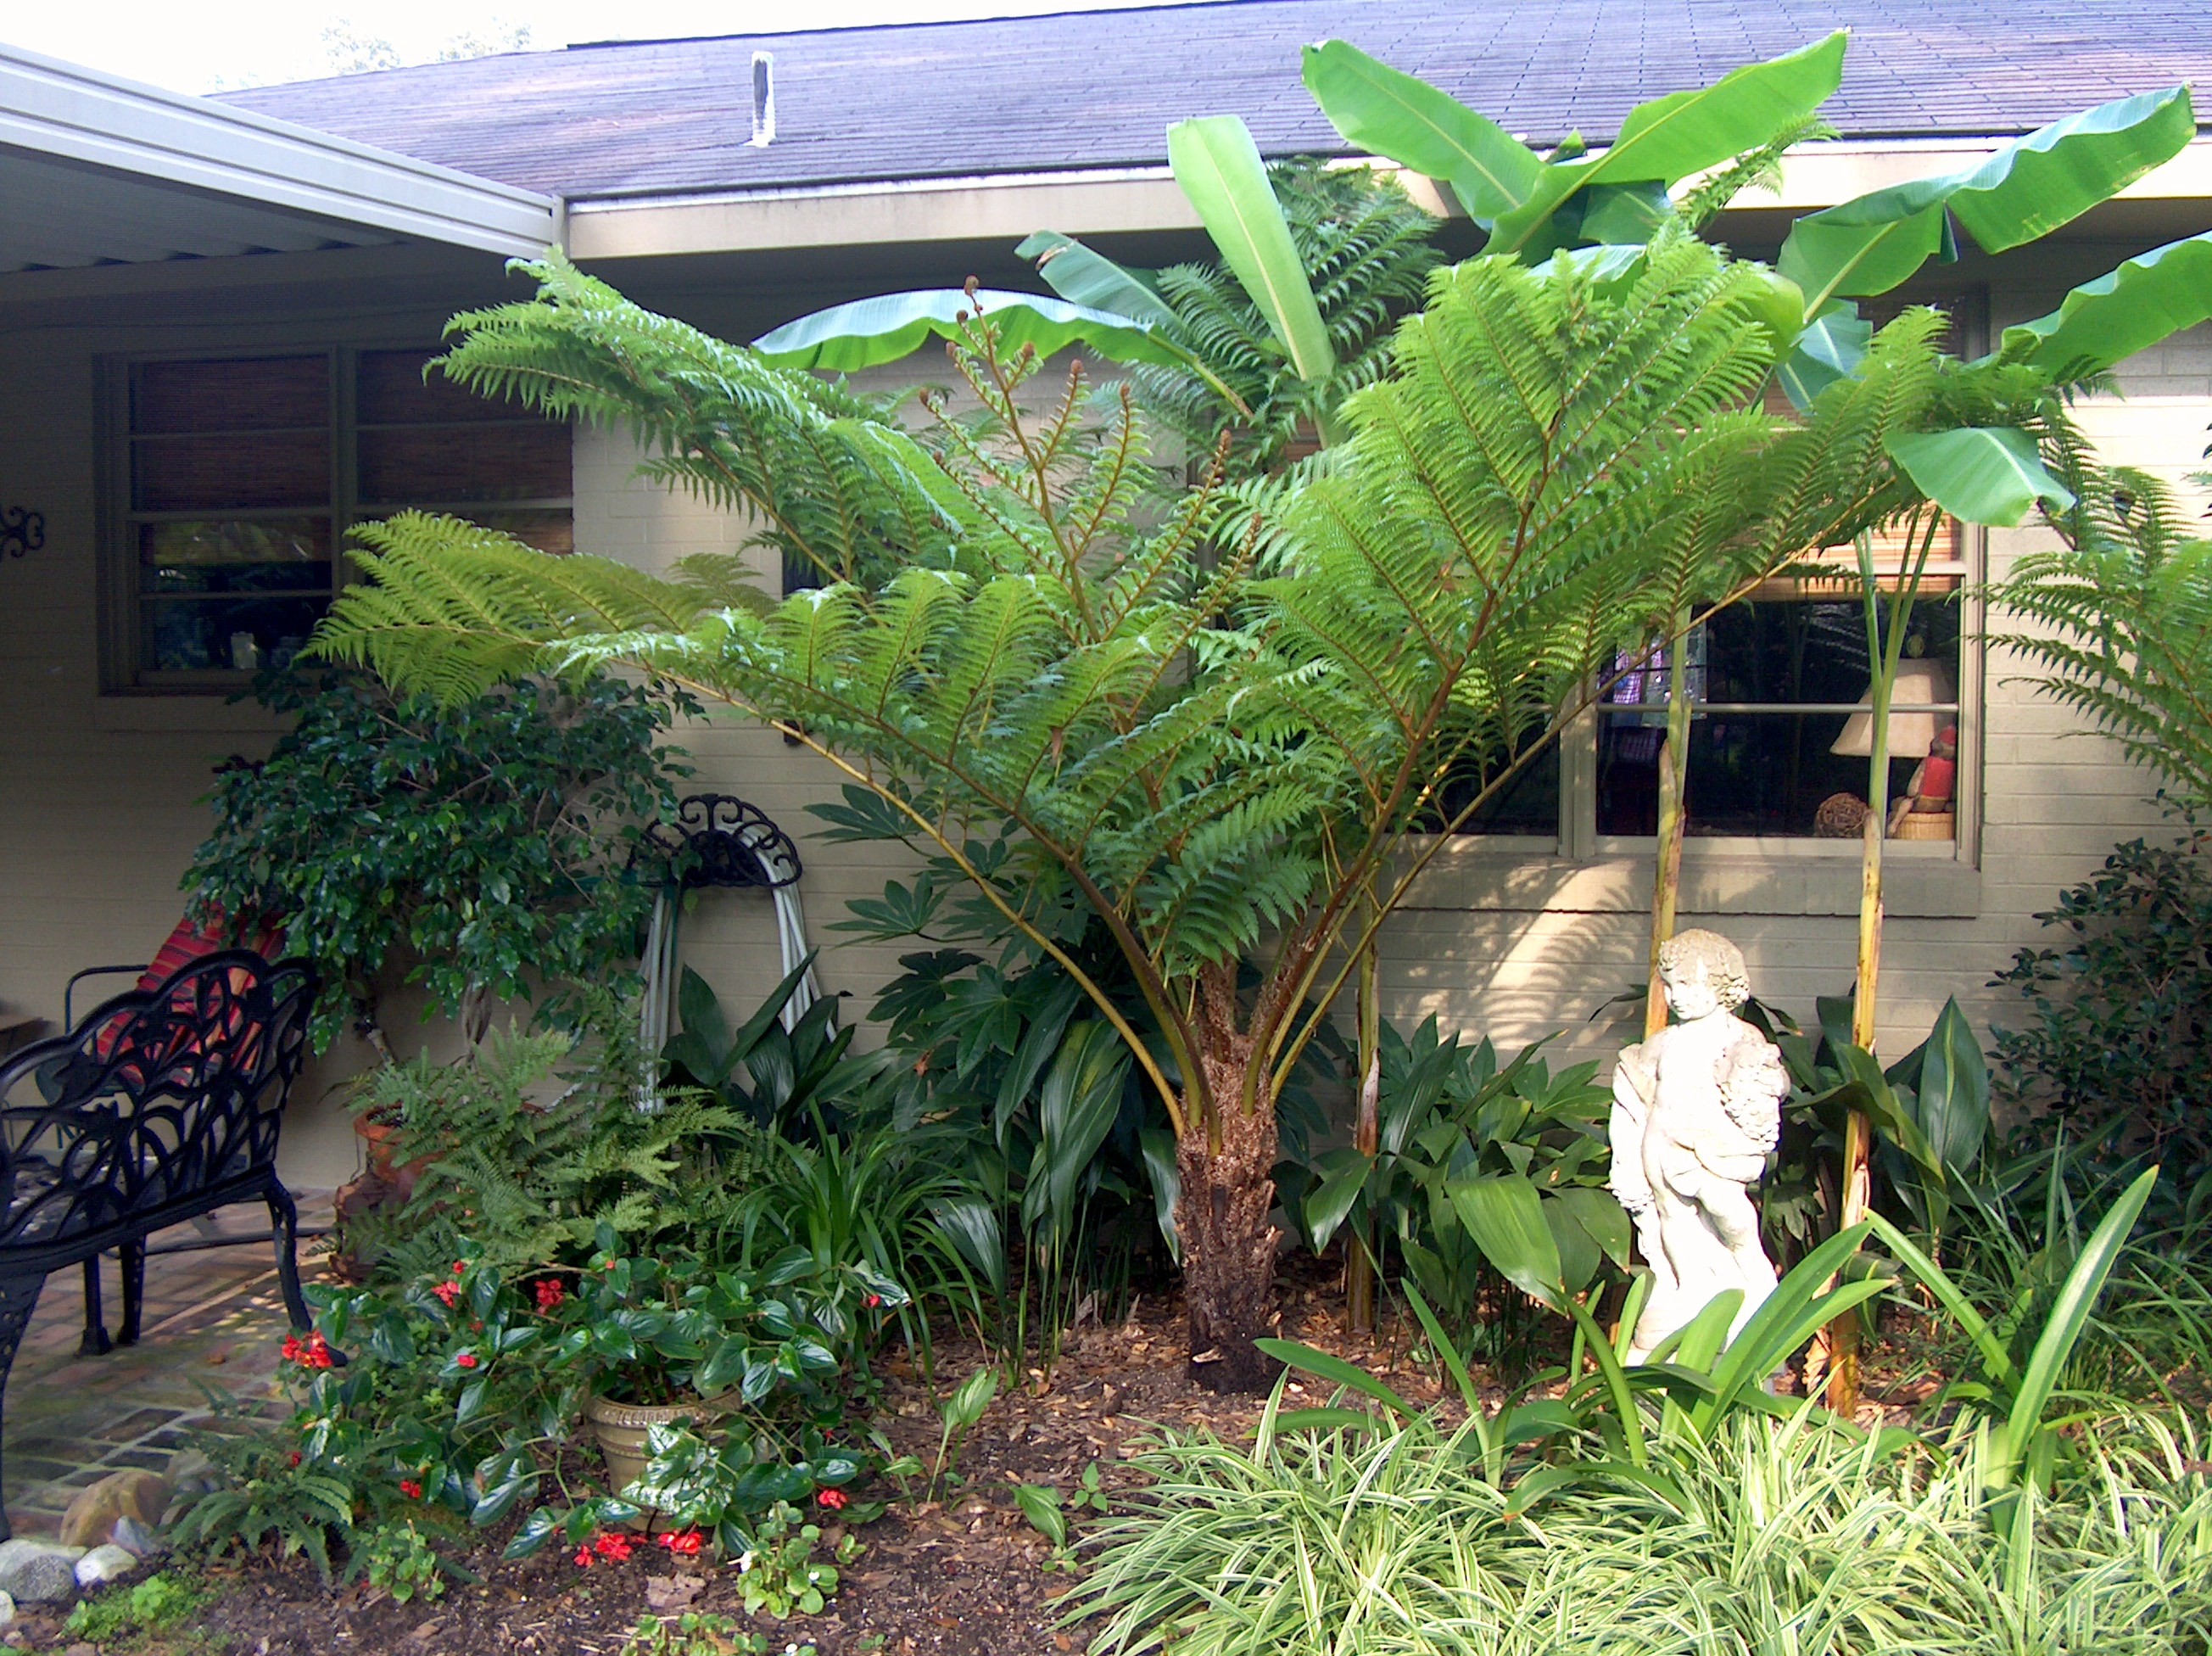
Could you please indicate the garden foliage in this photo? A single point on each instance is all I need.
(478, 845)
(2117, 1044)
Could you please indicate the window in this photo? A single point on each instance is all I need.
(242, 474)
(1780, 737)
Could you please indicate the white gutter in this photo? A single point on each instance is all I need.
(992, 207)
(49, 108)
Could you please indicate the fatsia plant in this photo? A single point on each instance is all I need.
(1197, 758)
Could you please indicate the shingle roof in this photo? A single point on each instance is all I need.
(1097, 89)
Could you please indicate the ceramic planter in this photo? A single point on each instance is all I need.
(621, 1428)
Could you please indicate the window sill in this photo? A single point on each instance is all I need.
(1919, 881)
(181, 713)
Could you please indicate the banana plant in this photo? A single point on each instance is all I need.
(1868, 245)
(1115, 311)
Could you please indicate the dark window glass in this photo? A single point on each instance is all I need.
(1530, 804)
(1779, 743)
(237, 508)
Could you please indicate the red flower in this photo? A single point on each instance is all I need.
(467, 1360)
(460, 1266)
(835, 1499)
(313, 1352)
(550, 1293)
(685, 1543)
(411, 1489)
(609, 1265)
(295, 1461)
(476, 1327)
(612, 1546)
(585, 1558)
(875, 1300)
(447, 1293)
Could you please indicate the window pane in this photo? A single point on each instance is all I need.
(439, 465)
(1766, 774)
(186, 633)
(1530, 804)
(1816, 651)
(390, 389)
(552, 529)
(197, 474)
(255, 394)
(259, 555)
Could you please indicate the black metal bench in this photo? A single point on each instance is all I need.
(163, 1104)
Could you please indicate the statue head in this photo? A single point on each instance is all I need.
(1703, 972)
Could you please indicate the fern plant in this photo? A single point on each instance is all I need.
(533, 1142)
(2121, 622)
(1094, 713)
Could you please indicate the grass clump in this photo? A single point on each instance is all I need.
(1796, 1537)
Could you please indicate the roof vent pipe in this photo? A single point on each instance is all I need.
(763, 99)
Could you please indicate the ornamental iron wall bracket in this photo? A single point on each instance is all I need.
(719, 840)
(21, 530)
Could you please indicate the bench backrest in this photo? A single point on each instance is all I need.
(157, 1096)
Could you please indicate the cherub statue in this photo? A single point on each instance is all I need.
(1696, 1110)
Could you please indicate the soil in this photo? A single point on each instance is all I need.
(966, 1576)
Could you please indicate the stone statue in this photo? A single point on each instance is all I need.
(1696, 1110)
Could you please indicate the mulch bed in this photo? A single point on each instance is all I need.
(965, 1577)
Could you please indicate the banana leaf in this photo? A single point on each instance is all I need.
(2028, 188)
(1989, 475)
(1083, 277)
(2104, 322)
(1218, 167)
(1386, 113)
(1686, 132)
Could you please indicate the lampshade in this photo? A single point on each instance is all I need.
(1919, 682)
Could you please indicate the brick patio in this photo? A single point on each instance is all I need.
(213, 1322)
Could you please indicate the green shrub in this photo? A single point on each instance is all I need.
(2118, 1045)
(486, 840)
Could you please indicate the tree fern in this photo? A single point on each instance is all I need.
(2122, 619)
(1099, 715)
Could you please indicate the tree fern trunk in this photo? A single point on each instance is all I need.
(1227, 1157)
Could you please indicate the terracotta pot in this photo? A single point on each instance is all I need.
(621, 1429)
(377, 1137)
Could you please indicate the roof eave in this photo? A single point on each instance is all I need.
(1105, 201)
(61, 111)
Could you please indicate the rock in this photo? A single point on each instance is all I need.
(193, 1474)
(7, 1609)
(666, 1592)
(103, 1564)
(37, 1573)
(139, 1496)
(136, 1539)
(82, 1650)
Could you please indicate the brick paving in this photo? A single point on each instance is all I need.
(212, 1325)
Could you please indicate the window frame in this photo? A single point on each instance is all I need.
(120, 598)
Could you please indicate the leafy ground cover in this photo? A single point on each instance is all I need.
(963, 1573)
